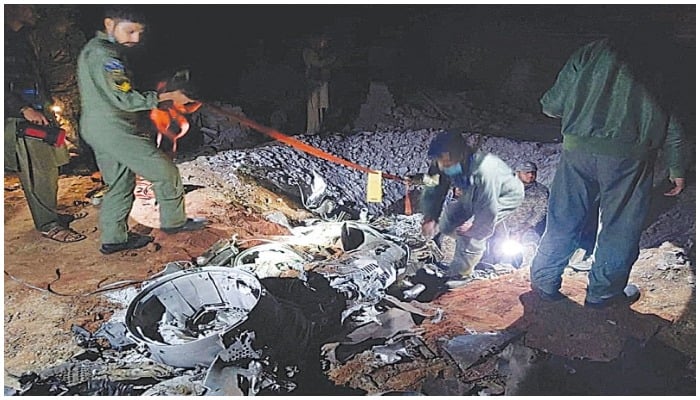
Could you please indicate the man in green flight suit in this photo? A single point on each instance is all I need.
(108, 124)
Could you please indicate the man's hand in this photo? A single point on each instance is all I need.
(34, 116)
(464, 228)
(429, 229)
(176, 96)
(679, 185)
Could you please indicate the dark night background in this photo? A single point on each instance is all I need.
(251, 54)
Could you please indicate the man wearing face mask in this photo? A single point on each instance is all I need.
(108, 124)
(490, 191)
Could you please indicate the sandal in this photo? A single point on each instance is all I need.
(66, 219)
(63, 234)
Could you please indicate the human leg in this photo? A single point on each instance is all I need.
(468, 253)
(140, 156)
(117, 200)
(38, 174)
(571, 195)
(624, 203)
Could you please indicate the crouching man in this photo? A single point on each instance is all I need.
(490, 191)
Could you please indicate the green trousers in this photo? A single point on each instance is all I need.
(37, 164)
(120, 157)
(624, 186)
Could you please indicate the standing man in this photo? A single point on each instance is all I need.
(318, 61)
(615, 117)
(489, 192)
(25, 100)
(108, 124)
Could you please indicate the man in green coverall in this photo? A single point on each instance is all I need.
(108, 124)
(617, 113)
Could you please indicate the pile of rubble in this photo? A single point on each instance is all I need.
(262, 320)
(401, 153)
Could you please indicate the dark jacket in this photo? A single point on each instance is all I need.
(605, 110)
(23, 85)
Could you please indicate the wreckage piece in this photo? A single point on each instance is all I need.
(182, 317)
(270, 260)
(185, 385)
(469, 350)
(391, 326)
(90, 377)
(318, 191)
(220, 253)
(407, 348)
(239, 370)
(369, 265)
(116, 334)
(225, 375)
(321, 204)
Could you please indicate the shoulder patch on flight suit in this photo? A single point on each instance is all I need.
(120, 81)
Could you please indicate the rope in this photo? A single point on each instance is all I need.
(307, 148)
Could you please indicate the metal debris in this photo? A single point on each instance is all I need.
(182, 317)
(468, 350)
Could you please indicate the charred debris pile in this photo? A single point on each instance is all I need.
(264, 319)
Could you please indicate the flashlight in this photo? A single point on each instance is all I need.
(510, 248)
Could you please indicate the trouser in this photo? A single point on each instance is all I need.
(469, 250)
(120, 157)
(315, 108)
(38, 173)
(624, 186)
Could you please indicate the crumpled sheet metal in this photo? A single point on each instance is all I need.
(468, 350)
(391, 323)
(365, 271)
(269, 260)
(182, 317)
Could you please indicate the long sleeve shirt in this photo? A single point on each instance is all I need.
(489, 190)
(23, 85)
(605, 110)
(108, 100)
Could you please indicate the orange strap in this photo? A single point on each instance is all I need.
(307, 148)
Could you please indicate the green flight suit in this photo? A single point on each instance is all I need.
(108, 124)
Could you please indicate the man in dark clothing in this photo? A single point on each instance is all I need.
(490, 191)
(614, 120)
(36, 161)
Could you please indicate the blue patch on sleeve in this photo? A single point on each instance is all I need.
(113, 65)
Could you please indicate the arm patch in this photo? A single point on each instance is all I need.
(114, 65)
(117, 74)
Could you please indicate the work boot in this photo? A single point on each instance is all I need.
(135, 241)
(457, 281)
(546, 296)
(192, 224)
(629, 295)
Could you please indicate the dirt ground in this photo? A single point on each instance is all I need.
(37, 323)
